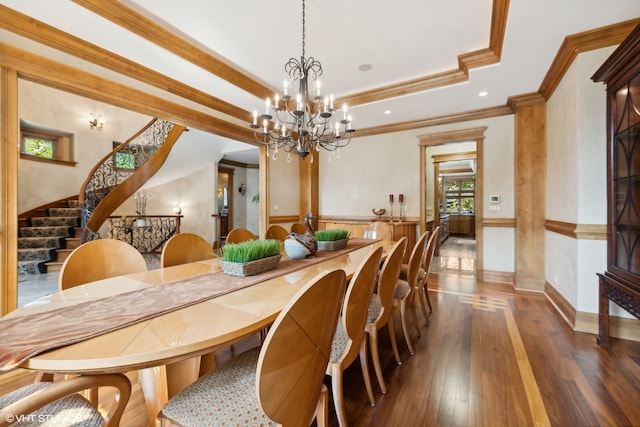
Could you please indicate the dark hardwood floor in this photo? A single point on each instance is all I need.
(488, 357)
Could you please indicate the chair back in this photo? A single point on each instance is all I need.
(429, 251)
(356, 304)
(296, 351)
(415, 260)
(276, 232)
(184, 248)
(100, 259)
(239, 235)
(388, 278)
(298, 227)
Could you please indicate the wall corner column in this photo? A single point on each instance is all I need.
(8, 190)
(530, 194)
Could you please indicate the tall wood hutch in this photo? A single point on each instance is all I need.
(621, 282)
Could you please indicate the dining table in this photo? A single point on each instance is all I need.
(164, 347)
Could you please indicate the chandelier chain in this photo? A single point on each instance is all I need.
(303, 30)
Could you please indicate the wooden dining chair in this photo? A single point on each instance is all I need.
(298, 227)
(184, 248)
(100, 259)
(276, 232)
(405, 288)
(422, 292)
(60, 403)
(279, 382)
(349, 341)
(239, 235)
(381, 308)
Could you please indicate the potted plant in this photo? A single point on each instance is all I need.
(251, 257)
(332, 240)
(141, 208)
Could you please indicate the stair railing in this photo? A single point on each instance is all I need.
(127, 163)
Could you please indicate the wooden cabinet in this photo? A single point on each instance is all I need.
(357, 228)
(621, 282)
(444, 228)
(462, 224)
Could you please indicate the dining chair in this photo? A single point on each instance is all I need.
(349, 340)
(99, 259)
(276, 232)
(60, 403)
(422, 292)
(184, 248)
(239, 235)
(405, 288)
(298, 227)
(381, 308)
(281, 381)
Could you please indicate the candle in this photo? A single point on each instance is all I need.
(255, 117)
(401, 198)
(390, 198)
(285, 85)
(267, 105)
(276, 101)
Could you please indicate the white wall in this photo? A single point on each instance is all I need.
(576, 181)
(371, 168)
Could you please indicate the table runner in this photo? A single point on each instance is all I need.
(22, 337)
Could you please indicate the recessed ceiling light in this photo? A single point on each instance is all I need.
(483, 93)
(387, 112)
(365, 67)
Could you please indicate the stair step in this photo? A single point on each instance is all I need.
(72, 242)
(62, 254)
(55, 221)
(63, 231)
(31, 267)
(41, 242)
(36, 254)
(65, 212)
(53, 266)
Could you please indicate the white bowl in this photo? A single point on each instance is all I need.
(295, 249)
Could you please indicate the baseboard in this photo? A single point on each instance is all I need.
(580, 321)
(496, 276)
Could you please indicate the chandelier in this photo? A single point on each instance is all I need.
(302, 123)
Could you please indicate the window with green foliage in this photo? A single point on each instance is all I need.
(39, 143)
(459, 194)
(40, 146)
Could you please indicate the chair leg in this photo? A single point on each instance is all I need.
(414, 315)
(419, 292)
(375, 357)
(392, 337)
(364, 365)
(336, 388)
(426, 292)
(322, 411)
(405, 327)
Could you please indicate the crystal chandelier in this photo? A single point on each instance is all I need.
(302, 124)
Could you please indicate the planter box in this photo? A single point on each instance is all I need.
(333, 245)
(250, 268)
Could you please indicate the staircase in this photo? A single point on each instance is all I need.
(47, 237)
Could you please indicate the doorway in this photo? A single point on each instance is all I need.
(451, 197)
(225, 203)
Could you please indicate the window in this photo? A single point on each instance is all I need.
(39, 143)
(459, 194)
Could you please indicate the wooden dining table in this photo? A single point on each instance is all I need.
(166, 349)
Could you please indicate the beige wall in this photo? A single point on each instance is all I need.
(576, 182)
(66, 112)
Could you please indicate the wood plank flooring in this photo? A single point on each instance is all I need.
(488, 357)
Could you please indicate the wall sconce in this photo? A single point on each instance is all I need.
(177, 210)
(96, 122)
(242, 189)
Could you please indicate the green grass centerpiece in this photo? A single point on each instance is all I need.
(251, 257)
(331, 240)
